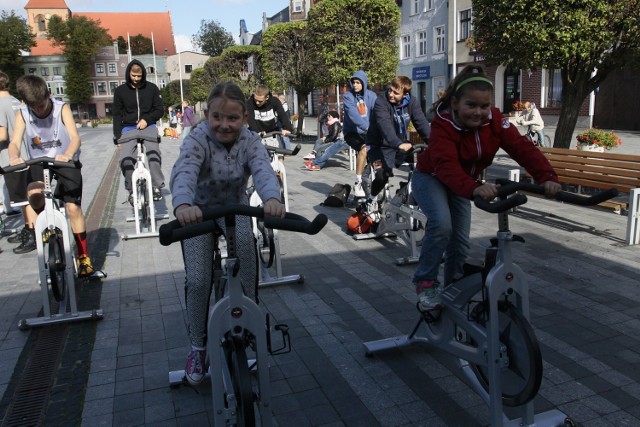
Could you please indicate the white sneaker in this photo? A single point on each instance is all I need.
(358, 191)
(310, 156)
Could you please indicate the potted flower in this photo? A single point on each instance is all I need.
(517, 106)
(294, 121)
(594, 139)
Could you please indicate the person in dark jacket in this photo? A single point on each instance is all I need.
(264, 111)
(389, 129)
(137, 105)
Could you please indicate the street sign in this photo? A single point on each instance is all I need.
(421, 73)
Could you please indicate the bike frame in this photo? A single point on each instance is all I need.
(141, 171)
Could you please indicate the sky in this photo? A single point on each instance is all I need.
(185, 20)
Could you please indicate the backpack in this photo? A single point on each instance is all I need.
(359, 223)
(338, 196)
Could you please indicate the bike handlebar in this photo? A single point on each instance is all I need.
(272, 133)
(46, 162)
(172, 231)
(508, 187)
(284, 151)
(140, 135)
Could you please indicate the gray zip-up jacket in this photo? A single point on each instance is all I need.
(207, 175)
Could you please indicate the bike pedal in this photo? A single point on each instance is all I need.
(431, 316)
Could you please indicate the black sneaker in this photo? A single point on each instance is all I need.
(19, 236)
(130, 199)
(157, 194)
(28, 244)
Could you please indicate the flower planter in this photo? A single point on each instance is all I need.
(591, 147)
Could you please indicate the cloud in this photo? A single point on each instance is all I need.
(183, 43)
(17, 6)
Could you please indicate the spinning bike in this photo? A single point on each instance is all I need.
(56, 260)
(399, 215)
(268, 239)
(499, 354)
(144, 212)
(236, 323)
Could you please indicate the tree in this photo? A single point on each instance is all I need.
(80, 39)
(212, 39)
(199, 86)
(227, 66)
(349, 35)
(140, 45)
(16, 36)
(289, 61)
(585, 40)
(171, 93)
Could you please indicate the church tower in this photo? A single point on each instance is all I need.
(40, 11)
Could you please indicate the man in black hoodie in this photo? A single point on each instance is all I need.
(137, 105)
(264, 111)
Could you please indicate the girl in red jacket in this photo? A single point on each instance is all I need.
(465, 137)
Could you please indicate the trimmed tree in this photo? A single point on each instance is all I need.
(199, 85)
(212, 38)
(140, 45)
(349, 35)
(227, 67)
(16, 36)
(80, 39)
(289, 61)
(585, 40)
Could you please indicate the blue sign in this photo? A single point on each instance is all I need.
(421, 73)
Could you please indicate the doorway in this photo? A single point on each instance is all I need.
(511, 89)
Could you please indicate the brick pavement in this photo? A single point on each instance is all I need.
(584, 303)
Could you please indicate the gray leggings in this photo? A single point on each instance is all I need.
(197, 253)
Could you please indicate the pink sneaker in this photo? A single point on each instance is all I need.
(310, 166)
(310, 156)
(195, 369)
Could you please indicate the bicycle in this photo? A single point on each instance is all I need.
(236, 323)
(144, 212)
(267, 239)
(399, 215)
(533, 137)
(499, 355)
(56, 260)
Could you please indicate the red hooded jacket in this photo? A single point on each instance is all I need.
(457, 156)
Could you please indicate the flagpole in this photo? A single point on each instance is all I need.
(155, 66)
(128, 48)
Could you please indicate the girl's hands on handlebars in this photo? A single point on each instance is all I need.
(273, 207)
(487, 191)
(188, 215)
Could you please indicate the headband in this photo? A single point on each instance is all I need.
(473, 79)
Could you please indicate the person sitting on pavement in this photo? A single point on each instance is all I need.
(264, 112)
(136, 105)
(466, 134)
(389, 132)
(195, 185)
(50, 131)
(531, 117)
(327, 146)
(358, 105)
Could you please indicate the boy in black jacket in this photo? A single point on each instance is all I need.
(388, 129)
(264, 111)
(137, 105)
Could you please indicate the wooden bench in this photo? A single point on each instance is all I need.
(587, 169)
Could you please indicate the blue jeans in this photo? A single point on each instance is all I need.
(185, 131)
(447, 230)
(329, 152)
(287, 143)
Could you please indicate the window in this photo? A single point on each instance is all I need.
(44, 71)
(465, 25)
(112, 87)
(162, 83)
(60, 89)
(188, 68)
(297, 6)
(151, 70)
(405, 47)
(554, 88)
(49, 87)
(112, 68)
(415, 7)
(99, 68)
(32, 70)
(92, 88)
(42, 23)
(102, 88)
(438, 39)
(421, 43)
(57, 71)
(428, 5)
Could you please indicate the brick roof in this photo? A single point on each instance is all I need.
(118, 24)
(46, 4)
